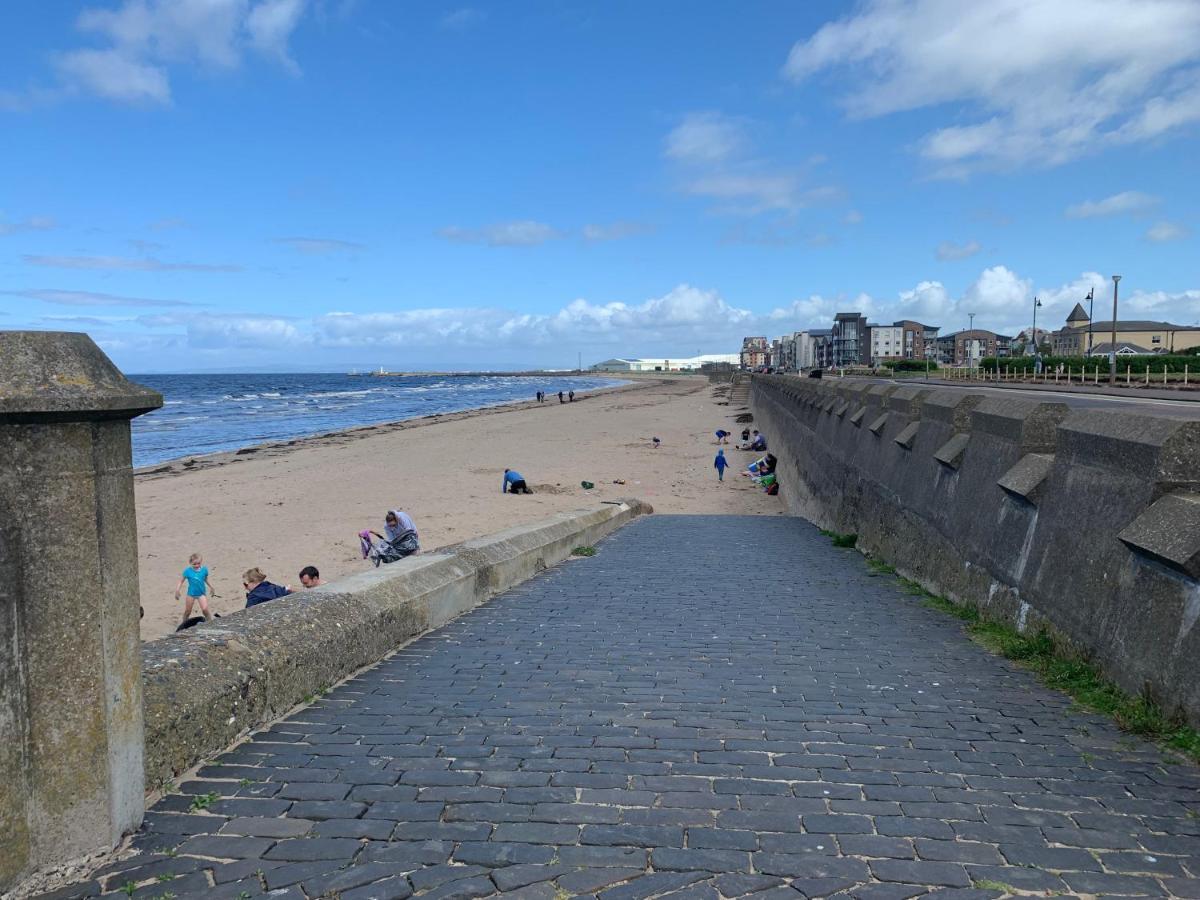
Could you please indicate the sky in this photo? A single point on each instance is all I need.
(301, 185)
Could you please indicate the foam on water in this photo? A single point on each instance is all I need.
(210, 413)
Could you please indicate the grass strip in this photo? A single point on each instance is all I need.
(1056, 665)
(1059, 667)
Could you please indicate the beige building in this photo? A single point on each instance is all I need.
(1133, 336)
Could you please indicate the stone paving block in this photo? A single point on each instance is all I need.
(394, 888)
(836, 734)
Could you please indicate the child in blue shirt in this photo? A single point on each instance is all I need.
(195, 576)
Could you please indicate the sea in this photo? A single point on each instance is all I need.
(211, 413)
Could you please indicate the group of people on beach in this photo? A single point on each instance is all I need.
(399, 539)
(570, 397)
(761, 471)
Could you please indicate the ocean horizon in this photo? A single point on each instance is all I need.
(210, 413)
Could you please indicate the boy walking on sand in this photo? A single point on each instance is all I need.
(719, 464)
(195, 576)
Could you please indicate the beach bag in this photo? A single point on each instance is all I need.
(773, 489)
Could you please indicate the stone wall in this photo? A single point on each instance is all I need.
(1084, 520)
(206, 687)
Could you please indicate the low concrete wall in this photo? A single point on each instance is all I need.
(1087, 521)
(208, 686)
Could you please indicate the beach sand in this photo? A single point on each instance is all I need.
(287, 505)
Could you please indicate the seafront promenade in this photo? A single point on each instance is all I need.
(710, 706)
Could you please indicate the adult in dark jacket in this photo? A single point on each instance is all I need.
(259, 590)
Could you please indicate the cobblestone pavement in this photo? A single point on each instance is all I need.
(711, 706)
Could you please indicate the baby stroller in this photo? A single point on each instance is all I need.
(384, 551)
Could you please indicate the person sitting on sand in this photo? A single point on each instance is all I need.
(259, 590)
(310, 577)
(514, 483)
(396, 524)
(760, 441)
(748, 441)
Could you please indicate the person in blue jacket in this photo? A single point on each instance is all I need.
(514, 483)
(719, 464)
(259, 590)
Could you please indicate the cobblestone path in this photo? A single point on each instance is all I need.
(710, 706)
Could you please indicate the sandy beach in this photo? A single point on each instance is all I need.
(287, 505)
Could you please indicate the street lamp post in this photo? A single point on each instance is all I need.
(971, 340)
(1112, 349)
(1091, 304)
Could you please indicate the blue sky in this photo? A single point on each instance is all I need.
(291, 184)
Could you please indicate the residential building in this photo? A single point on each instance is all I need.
(918, 340)
(850, 338)
(887, 342)
(1147, 335)
(755, 352)
(971, 345)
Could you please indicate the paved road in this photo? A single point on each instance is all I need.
(1141, 405)
(711, 706)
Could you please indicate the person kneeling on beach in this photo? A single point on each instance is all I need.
(514, 483)
(195, 576)
(259, 590)
(310, 577)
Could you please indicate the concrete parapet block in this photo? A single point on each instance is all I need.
(908, 435)
(1169, 532)
(70, 675)
(206, 687)
(952, 408)
(1158, 449)
(951, 453)
(857, 418)
(907, 401)
(840, 409)
(1031, 426)
(877, 426)
(1024, 480)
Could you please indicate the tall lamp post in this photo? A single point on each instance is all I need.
(1112, 349)
(1033, 333)
(1091, 303)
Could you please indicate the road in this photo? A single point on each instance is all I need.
(709, 707)
(1151, 406)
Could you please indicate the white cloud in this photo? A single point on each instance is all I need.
(242, 331)
(948, 250)
(144, 38)
(460, 19)
(1044, 81)
(615, 231)
(270, 25)
(1124, 203)
(124, 264)
(706, 137)
(713, 152)
(89, 298)
(33, 223)
(1161, 232)
(319, 246)
(852, 217)
(523, 233)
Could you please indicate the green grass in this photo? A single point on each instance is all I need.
(879, 567)
(841, 540)
(1060, 667)
(204, 801)
(584, 551)
(986, 884)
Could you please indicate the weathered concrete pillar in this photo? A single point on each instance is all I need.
(71, 779)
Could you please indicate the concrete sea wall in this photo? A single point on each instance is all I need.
(205, 688)
(1087, 521)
